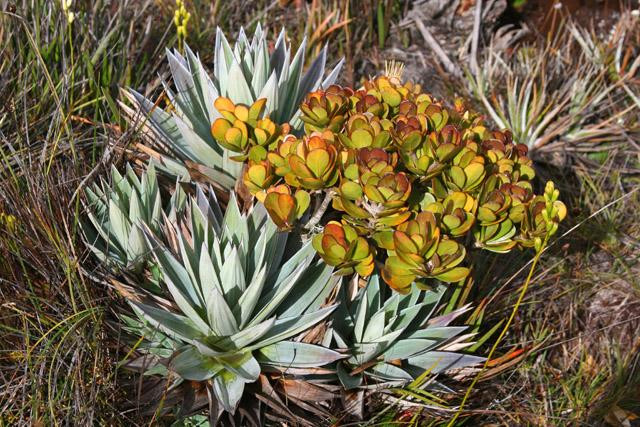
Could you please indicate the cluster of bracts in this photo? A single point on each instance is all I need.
(409, 180)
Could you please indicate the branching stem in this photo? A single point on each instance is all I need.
(320, 210)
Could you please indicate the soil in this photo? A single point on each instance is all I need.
(544, 16)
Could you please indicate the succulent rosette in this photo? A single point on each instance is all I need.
(326, 109)
(366, 130)
(242, 130)
(313, 163)
(340, 245)
(427, 156)
(467, 170)
(542, 217)
(456, 213)
(284, 206)
(372, 191)
(419, 251)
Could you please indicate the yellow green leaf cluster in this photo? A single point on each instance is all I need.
(414, 184)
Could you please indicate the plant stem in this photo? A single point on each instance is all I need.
(317, 215)
(523, 291)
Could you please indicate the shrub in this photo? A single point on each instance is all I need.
(401, 186)
(413, 184)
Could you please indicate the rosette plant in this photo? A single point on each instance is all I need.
(393, 339)
(114, 210)
(236, 295)
(244, 74)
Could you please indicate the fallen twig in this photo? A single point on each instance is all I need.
(437, 49)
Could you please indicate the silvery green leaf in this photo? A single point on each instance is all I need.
(411, 299)
(276, 246)
(259, 223)
(255, 258)
(191, 365)
(136, 245)
(119, 223)
(297, 355)
(228, 389)
(177, 202)
(283, 78)
(200, 226)
(362, 353)
(303, 257)
(120, 185)
(173, 270)
(373, 293)
(223, 59)
(440, 361)
(171, 324)
(229, 167)
(234, 225)
(257, 37)
(215, 347)
(271, 300)
(247, 63)
(317, 288)
(389, 338)
(333, 75)
(221, 318)
(252, 334)
(169, 166)
(238, 88)
(347, 380)
(312, 78)
(103, 227)
(200, 144)
(287, 327)
(203, 85)
(407, 316)
(209, 277)
(95, 200)
(157, 369)
(187, 95)
(209, 206)
(293, 82)
(387, 371)
(260, 71)
(161, 122)
(405, 348)
(133, 180)
(135, 210)
(391, 306)
(270, 91)
(241, 44)
(375, 327)
(440, 333)
(447, 318)
(246, 368)
(179, 284)
(156, 213)
(247, 303)
(232, 276)
(101, 252)
(216, 254)
(278, 55)
(360, 317)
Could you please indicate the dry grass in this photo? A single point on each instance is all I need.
(575, 91)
